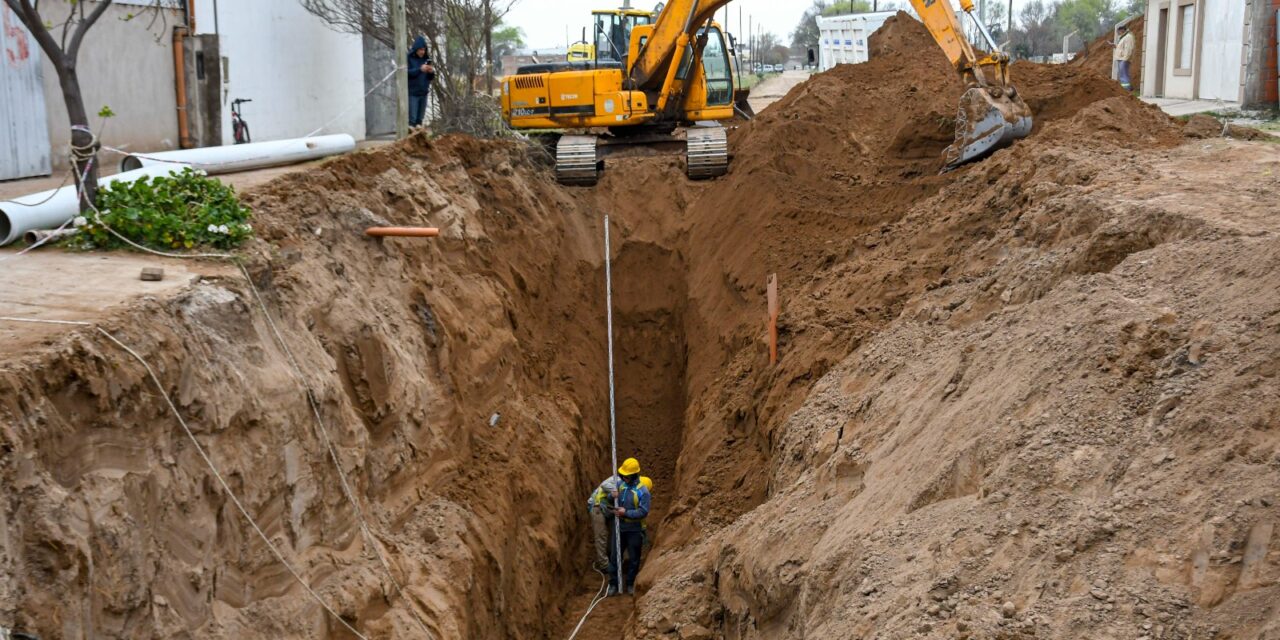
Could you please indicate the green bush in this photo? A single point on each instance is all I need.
(183, 211)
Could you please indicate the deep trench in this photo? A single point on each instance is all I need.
(651, 356)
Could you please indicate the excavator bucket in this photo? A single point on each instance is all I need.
(987, 123)
(742, 105)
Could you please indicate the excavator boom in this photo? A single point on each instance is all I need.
(992, 114)
(675, 27)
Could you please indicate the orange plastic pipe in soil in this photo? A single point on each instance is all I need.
(402, 232)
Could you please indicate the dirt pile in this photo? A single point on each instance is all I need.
(1204, 126)
(1097, 55)
(975, 429)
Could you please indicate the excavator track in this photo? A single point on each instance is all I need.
(706, 152)
(576, 161)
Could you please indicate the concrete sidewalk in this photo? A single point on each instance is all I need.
(1178, 107)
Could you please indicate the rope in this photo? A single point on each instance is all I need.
(333, 454)
(313, 403)
(595, 601)
(213, 468)
(372, 540)
(356, 104)
(613, 434)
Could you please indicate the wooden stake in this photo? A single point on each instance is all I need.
(773, 319)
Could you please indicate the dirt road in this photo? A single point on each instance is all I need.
(773, 89)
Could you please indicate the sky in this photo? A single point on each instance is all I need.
(544, 21)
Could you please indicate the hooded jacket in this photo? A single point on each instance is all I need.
(419, 80)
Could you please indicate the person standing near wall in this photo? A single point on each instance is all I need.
(421, 73)
(1123, 55)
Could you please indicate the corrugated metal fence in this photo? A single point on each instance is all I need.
(24, 123)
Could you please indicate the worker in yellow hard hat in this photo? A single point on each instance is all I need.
(600, 508)
(630, 506)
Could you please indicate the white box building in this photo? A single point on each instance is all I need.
(844, 39)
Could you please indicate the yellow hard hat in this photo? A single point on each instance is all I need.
(630, 467)
(647, 482)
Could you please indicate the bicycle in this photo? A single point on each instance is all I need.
(239, 128)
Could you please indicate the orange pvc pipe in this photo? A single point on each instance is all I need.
(402, 232)
(180, 35)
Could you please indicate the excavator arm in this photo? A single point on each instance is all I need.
(676, 26)
(992, 114)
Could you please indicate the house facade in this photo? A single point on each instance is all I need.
(1211, 50)
(170, 79)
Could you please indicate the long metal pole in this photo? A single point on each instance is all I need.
(613, 423)
(402, 77)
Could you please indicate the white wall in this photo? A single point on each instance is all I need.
(1218, 51)
(299, 73)
(126, 64)
(1223, 51)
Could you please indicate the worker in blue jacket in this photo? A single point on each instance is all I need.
(421, 73)
(633, 508)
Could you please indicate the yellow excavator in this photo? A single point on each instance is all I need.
(664, 78)
(658, 78)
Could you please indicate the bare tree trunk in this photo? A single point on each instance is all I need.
(488, 45)
(83, 146)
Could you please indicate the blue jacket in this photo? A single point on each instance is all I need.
(635, 499)
(419, 81)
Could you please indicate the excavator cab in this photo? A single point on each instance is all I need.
(613, 31)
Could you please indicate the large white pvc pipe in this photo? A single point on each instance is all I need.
(241, 157)
(49, 209)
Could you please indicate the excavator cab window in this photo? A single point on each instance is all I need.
(715, 63)
(613, 34)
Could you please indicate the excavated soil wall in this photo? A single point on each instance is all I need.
(113, 527)
(1035, 397)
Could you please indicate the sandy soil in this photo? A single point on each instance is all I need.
(59, 285)
(1033, 398)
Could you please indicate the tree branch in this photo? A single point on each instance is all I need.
(84, 26)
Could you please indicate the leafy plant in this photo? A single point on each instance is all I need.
(183, 211)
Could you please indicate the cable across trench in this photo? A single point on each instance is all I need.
(613, 425)
(312, 402)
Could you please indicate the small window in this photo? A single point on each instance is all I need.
(1186, 37)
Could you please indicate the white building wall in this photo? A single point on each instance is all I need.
(1218, 50)
(844, 39)
(299, 73)
(1222, 66)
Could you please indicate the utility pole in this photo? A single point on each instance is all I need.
(402, 77)
(1008, 33)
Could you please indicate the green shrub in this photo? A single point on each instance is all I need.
(183, 211)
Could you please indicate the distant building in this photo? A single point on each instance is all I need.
(845, 39)
(1211, 50)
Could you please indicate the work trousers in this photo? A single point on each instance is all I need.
(417, 109)
(600, 526)
(632, 545)
(1122, 72)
